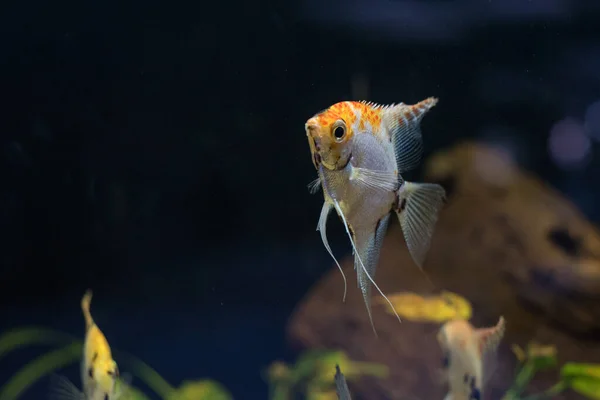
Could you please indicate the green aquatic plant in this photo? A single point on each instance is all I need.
(581, 378)
(70, 353)
(312, 374)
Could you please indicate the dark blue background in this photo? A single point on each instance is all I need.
(155, 152)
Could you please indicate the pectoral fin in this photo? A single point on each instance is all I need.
(123, 385)
(418, 209)
(313, 187)
(377, 180)
(63, 389)
(322, 227)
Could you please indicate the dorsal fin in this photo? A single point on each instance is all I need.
(343, 393)
(404, 124)
(85, 307)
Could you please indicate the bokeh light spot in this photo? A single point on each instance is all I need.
(568, 144)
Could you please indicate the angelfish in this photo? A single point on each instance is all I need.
(468, 355)
(360, 150)
(99, 371)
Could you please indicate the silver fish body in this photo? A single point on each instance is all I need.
(366, 209)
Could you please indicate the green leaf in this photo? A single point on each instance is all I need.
(541, 357)
(146, 373)
(38, 368)
(21, 337)
(200, 390)
(133, 394)
(307, 364)
(280, 391)
(589, 387)
(580, 370)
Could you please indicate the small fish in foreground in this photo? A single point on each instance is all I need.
(99, 372)
(341, 387)
(360, 150)
(468, 355)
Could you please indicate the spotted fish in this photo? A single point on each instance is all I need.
(360, 151)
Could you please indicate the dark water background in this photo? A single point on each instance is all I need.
(155, 152)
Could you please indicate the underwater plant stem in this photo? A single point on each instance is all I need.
(279, 391)
(523, 377)
(379, 371)
(150, 377)
(41, 366)
(548, 393)
(21, 337)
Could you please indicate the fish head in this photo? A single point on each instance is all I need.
(460, 342)
(454, 338)
(330, 135)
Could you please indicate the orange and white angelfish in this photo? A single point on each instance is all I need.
(360, 151)
(465, 351)
(99, 372)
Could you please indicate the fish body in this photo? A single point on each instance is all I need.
(360, 150)
(99, 371)
(467, 352)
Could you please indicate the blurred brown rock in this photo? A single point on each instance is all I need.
(510, 244)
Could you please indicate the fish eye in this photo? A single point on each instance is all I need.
(339, 131)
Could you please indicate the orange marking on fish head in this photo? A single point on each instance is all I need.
(370, 116)
(329, 135)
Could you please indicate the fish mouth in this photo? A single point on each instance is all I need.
(316, 150)
(336, 166)
(314, 147)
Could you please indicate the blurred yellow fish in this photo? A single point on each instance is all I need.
(441, 308)
(360, 150)
(99, 372)
(465, 349)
